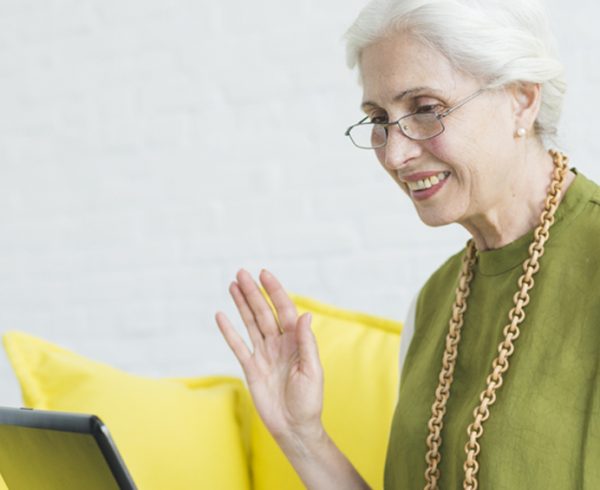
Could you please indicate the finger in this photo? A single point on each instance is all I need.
(265, 318)
(233, 339)
(307, 344)
(246, 313)
(286, 309)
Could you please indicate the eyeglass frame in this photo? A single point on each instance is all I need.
(439, 117)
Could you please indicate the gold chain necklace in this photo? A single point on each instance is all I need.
(505, 349)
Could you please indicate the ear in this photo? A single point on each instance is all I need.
(527, 99)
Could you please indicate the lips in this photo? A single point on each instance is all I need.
(423, 185)
(427, 182)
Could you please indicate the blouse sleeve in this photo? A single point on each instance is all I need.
(407, 332)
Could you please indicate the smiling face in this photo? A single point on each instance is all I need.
(469, 169)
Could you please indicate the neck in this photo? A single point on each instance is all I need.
(521, 207)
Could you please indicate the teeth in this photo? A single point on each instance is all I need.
(429, 182)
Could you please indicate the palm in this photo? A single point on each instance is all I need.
(284, 392)
(283, 372)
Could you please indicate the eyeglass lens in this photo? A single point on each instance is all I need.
(416, 126)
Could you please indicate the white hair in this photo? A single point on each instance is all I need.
(498, 41)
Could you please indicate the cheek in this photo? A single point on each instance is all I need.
(438, 145)
(442, 149)
(380, 154)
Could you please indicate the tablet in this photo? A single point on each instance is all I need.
(49, 450)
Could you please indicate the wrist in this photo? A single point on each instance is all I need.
(305, 442)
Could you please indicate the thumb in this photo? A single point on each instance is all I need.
(307, 343)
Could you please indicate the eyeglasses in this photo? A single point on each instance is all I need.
(418, 126)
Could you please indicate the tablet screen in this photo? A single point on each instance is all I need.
(54, 450)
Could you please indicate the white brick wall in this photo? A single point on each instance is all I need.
(149, 149)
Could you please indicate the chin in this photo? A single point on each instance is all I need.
(434, 218)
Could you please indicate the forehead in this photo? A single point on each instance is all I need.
(401, 63)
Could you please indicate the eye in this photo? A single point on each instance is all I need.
(378, 118)
(429, 108)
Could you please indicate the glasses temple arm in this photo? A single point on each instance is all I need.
(347, 133)
(462, 102)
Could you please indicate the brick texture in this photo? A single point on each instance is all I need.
(149, 149)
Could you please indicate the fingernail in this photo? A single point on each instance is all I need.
(266, 272)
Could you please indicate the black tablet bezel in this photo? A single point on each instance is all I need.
(73, 422)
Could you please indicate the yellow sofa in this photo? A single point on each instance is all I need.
(209, 436)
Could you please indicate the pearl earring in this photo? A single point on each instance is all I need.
(521, 132)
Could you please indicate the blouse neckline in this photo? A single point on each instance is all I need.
(503, 259)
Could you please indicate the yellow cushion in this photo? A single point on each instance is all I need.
(359, 354)
(172, 434)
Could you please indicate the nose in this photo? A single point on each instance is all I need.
(398, 150)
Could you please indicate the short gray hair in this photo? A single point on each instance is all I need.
(498, 41)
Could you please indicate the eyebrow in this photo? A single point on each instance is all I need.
(399, 97)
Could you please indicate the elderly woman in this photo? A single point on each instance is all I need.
(500, 384)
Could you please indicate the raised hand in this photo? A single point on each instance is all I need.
(283, 371)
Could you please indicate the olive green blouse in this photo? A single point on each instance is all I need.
(544, 429)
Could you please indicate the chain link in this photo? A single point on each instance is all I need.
(506, 348)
